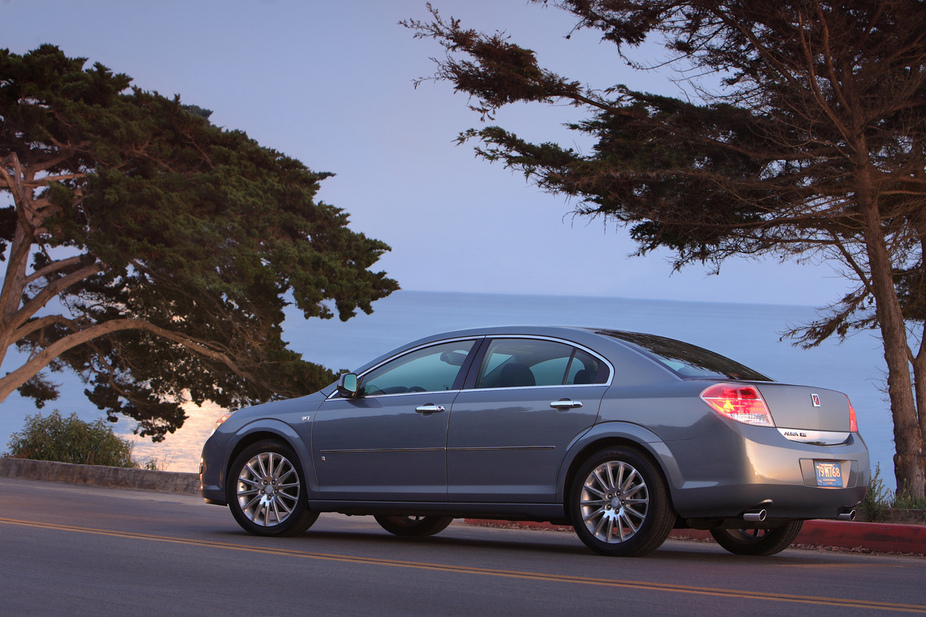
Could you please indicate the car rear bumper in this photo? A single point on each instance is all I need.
(761, 470)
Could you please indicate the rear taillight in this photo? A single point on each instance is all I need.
(741, 403)
(853, 421)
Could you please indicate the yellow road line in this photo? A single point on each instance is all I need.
(532, 576)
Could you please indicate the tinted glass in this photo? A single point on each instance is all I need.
(686, 360)
(431, 369)
(513, 363)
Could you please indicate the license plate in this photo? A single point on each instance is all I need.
(829, 473)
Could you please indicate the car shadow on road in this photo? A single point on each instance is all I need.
(337, 537)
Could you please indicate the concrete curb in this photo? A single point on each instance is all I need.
(98, 475)
(878, 537)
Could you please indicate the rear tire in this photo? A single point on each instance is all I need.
(413, 526)
(758, 542)
(619, 504)
(266, 491)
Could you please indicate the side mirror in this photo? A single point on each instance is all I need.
(347, 385)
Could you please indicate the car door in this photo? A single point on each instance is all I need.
(390, 443)
(510, 430)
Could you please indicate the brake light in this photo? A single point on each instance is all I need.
(853, 421)
(741, 403)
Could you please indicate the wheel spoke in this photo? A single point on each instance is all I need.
(594, 513)
(616, 479)
(259, 460)
(594, 491)
(287, 472)
(602, 522)
(252, 508)
(628, 522)
(249, 482)
(629, 481)
(604, 483)
(630, 493)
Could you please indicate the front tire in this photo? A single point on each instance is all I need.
(413, 526)
(619, 504)
(266, 491)
(758, 542)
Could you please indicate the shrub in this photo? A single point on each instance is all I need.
(877, 500)
(70, 440)
(905, 500)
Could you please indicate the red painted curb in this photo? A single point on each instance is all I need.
(879, 537)
(883, 537)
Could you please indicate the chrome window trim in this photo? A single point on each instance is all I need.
(565, 385)
(476, 340)
(409, 393)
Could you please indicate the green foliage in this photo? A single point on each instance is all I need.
(70, 440)
(877, 501)
(907, 501)
(153, 463)
(172, 245)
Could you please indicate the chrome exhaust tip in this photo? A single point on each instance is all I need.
(755, 516)
(847, 516)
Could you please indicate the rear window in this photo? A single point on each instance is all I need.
(686, 360)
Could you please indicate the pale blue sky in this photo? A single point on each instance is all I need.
(330, 83)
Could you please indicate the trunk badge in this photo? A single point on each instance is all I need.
(815, 399)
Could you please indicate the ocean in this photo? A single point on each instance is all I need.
(748, 333)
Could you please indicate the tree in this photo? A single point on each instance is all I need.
(152, 253)
(812, 145)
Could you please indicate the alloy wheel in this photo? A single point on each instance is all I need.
(268, 489)
(614, 502)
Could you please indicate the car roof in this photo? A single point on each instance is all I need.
(579, 335)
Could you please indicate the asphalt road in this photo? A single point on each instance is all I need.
(74, 550)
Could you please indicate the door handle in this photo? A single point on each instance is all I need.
(565, 405)
(429, 409)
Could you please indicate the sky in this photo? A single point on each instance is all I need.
(332, 84)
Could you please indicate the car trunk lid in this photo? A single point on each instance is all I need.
(807, 414)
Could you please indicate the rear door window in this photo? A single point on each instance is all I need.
(516, 363)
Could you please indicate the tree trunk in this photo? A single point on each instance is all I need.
(908, 441)
(919, 384)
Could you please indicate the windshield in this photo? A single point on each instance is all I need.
(686, 360)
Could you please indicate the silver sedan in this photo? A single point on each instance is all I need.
(622, 435)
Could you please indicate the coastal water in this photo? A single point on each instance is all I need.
(751, 334)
